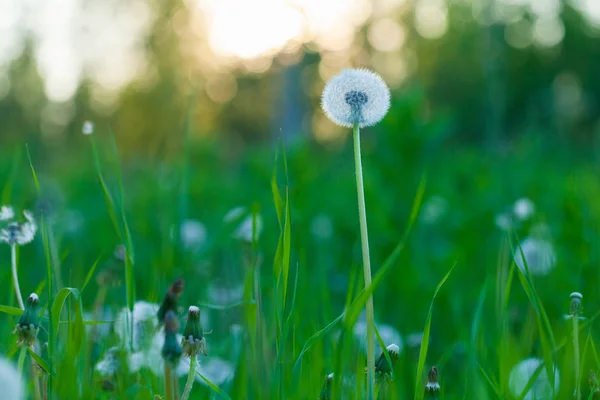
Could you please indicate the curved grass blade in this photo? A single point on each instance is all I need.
(214, 387)
(425, 343)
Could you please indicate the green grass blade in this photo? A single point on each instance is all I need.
(90, 274)
(214, 387)
(16, 311)
(425, 342)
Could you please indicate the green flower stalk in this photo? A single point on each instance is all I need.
(17, 234)
(576, 298)
(28, 326)
(171, 352)
(357, 98)
(193, 344)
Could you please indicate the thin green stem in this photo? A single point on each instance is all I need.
(362, 212)
(21, 361)
(190, 379)
(576, 356)
(15, 276)
(168, 382)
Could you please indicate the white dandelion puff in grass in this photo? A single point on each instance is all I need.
(541, 389)
(356, 96)
(87, 128)
(19, 233)
(388, 334)
(10, 381)
(6, 213)
(248, 225)
(523, 209)
(145, 324)
(537, 253)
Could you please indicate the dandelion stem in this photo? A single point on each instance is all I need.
(362, 212)
(190, 379)
(168, 382)
(15, 276)
(21, 361)
(576, 358)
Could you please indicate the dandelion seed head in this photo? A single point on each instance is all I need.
(144, 324)
(356, 96)
(245, 230)
(192, 233)
(542, 388)
(523, 208)
(11, 381)
(216, 370)
(87, 128)
(6, 213)
(538, 254)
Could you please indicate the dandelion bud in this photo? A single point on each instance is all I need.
(356, 97)
(171, 350)
(382, 367)
(193, 342)
(576, 298)
(170, 301)
(432, 380)
(28, 326)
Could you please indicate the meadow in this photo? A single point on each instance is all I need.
(267, 243)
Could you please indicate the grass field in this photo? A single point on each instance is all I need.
(267, 243)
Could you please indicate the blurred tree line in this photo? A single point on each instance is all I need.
(489, 90)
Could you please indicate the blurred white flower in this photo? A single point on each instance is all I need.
(523, 208)
(216, 370)
(6, 213)
(538, 253)
(504, 221)
(192, 233)
(541, 389)
(246, 226)
(145, 324)
(11, 383)
(87, 128)
(356, 96)
(152, 358)
(19, 233)
(109, 364)
(433, 209)
(388, 334)
(321, 227)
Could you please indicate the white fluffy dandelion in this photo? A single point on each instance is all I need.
(6, 213)
(192, 233)
(523, 372)
(87, 128)
(356, 96)
(388, 334)
(523, 208)
(248, 225)
(19, 233)
(539, 255)
(145, 324)
(11, 381)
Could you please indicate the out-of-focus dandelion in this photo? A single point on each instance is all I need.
(87, 128)
(249, 225)
(356, 98)
(192, 234)
(542, 388)
(433, 209)
(6, 213)
(17, 234)
(504, 221)
(216, 370)
(143, 321)
(321, 227)
(11, 381)
(109, 365)
(523, 208)
(537, 253)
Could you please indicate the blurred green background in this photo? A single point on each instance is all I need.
(492, 100)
